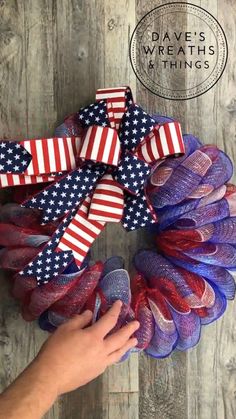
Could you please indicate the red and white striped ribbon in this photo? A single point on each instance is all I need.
(51, 155)
(111, 114)
(116, 96)
(9, 179)
(163, 141)
(107, 202)
(81, 233)
(101, 144)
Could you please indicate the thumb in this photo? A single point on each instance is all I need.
(80, 321)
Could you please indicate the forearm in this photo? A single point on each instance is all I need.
(91, 349)
(30, 396)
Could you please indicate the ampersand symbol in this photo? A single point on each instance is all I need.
(151, 65)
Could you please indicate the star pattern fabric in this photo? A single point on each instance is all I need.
(137, 212)
(135, 126)
(13, 157)
(94, 114)
(132, 173)
(48, 263)
(67, 193)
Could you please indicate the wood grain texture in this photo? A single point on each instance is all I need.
(53, 57)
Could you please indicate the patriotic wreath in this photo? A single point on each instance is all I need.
(112, 162)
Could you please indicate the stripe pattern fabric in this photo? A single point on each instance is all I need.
(51, 155)
(9, 179)
(117, 96)
(163, 141)
(101, 144)
(107, 202)
(81, 233)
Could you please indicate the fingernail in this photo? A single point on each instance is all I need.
(136, 324)
(135, 341)
(118, 303)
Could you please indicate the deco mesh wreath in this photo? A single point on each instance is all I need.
(108, 163)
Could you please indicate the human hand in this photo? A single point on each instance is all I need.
(77, 352)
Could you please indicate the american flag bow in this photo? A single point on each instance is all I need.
(97, 175)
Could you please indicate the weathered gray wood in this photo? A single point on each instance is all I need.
(123, 405)
(12, 79)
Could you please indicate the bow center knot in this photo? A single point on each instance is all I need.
(101, 145)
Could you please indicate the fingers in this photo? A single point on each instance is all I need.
(80, 320)
(106, 323)
(118, 339)
(117, 355)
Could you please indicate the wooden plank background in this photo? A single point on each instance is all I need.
(53, 56)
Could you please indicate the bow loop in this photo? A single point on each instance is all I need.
(94, 114)
(119, 99)
(165, 140)
(136, 124)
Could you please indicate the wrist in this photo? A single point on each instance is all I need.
(46, 381)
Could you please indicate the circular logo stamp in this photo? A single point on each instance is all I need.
(178, 51)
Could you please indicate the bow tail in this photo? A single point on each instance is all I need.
(66, 193)
(33, 161)
(138, 212)
(69, 245)
(10, 179)
(49, 263)
(80, 234)
(107, 202)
